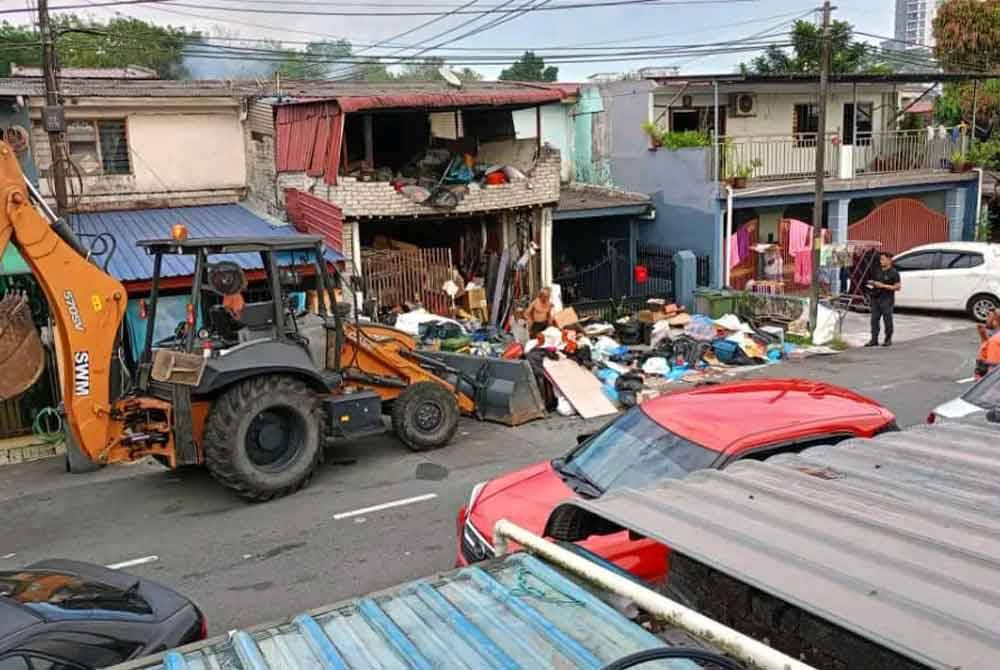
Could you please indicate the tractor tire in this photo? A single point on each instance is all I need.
(425, 416)
(262, 437)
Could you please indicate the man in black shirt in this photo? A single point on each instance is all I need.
(883, 284)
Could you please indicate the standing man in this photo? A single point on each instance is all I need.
(883, 285)
(540, 313)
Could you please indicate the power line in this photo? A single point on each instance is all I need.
(370, 14)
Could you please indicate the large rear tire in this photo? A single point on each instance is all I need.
(425, 416)
(262, 437)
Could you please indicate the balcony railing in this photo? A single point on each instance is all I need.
(793, 157)
(776, 158)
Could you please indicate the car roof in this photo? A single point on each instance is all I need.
(14, 617)
(742, 415)
(980, 247)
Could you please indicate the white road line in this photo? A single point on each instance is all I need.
(133, 562)
(966, 380)
(388, 505)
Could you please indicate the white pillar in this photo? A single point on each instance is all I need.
(548, 228)
(356, 247)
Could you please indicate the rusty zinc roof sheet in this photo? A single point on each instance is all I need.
(896, 539)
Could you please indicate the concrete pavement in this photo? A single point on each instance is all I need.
(247, 564)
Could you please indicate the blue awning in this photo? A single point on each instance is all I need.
(130, 263)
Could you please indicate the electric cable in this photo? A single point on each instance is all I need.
(664, 653)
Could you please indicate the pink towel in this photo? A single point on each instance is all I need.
(799, 236)
(803, 267)
(734, 251)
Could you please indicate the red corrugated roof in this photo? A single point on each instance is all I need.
(474, 98)
(315, 216)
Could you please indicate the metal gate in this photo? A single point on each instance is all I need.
(613, 275)
(901, 224)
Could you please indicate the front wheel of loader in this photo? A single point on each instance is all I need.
(262, 437)
(425, 416)
(77, 462)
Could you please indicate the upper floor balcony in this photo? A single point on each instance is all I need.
(792, 158)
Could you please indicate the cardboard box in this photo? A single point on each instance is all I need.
(649, 316)
(474, 298)
(566, 318)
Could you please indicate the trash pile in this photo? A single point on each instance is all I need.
(438, 178)
(593, 368)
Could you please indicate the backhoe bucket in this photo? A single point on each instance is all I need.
(505, 392)
(22, 358)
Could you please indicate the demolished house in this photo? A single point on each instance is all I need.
(417, 182)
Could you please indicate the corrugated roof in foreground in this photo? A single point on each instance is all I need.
(896, 539)
(520, 613)
(130, 263)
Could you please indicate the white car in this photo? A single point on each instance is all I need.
(957, 276)
(981, 397)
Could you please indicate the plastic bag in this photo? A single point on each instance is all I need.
(826, 326)
(562, 405)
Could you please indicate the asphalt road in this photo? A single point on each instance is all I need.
(247, 564)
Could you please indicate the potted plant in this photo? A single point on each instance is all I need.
(743, 172)
(655, 134)
(959, 162)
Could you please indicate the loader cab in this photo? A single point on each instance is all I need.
(287, 300)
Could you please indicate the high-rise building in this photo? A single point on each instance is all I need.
(914, 22)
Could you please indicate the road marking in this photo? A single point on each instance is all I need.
(133, 562)
(388, 505)
(966, 380)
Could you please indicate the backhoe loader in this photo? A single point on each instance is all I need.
(252, 389)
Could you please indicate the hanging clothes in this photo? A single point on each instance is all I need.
(739, 246)
(800, 247)
(734, 252)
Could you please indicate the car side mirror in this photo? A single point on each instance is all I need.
(580, 439)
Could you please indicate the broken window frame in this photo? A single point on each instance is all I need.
(101, 146)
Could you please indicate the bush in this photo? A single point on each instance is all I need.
(675, 140)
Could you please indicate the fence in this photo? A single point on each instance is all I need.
(704, 274)
(904, 150)
(398, 276)
(612, 276)
(776, 158)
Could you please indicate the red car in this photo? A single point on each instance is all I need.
(708, 427)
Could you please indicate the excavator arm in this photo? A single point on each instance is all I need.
(87, 307)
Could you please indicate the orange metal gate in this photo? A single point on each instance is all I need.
(901, 224)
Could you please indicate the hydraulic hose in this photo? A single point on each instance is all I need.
(687, 653)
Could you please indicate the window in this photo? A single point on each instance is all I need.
(919, 261)
(99, 147)
(806, 125)
(791, 447)
(986, 392)
(863, 122)
(953, 260)
(634, 451)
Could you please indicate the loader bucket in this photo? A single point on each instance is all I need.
(506, 391)
(22, 358)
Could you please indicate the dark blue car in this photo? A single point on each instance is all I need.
(68, 615)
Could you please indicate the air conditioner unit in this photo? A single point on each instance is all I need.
(742, 104)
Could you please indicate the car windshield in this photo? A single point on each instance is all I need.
(636, 451)
(986, 392)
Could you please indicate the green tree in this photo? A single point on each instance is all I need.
(847, 56)
(88, 42)
(530, 67)
(967, 39)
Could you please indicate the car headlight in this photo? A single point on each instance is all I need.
(476, 490)
(475, 548)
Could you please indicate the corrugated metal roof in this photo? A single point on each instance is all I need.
(290, 89)
(896, 539)
(582, 197)
(130, 263)
(520, 613)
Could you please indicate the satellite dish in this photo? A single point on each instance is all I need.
(449, 76)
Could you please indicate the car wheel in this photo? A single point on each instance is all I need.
(981, 305)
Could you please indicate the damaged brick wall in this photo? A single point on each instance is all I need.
(777, 623)
(262, 191)
(363, 199)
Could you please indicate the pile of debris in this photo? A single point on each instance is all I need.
(593, 368)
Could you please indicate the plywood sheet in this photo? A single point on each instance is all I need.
(581, 388)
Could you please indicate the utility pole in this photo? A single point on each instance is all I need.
(817, 228)
(53, 115)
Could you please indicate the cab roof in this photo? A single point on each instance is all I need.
(742, 415)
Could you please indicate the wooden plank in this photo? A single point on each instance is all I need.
(581, 388)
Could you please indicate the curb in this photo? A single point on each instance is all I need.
(30, 453)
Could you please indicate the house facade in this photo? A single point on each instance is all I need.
(894, 188)
(141, 143)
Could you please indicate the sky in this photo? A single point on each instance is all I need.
(622, 25)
